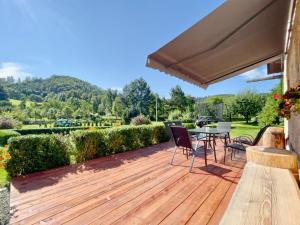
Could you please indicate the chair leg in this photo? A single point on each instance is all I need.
(173, 155)
(224, 154)
(192, 162)
(232, 153)
(229, 137)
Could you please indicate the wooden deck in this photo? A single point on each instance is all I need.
(138, 187)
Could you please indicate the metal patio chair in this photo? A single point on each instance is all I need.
(183, 140)
(240, 143)
(224, 126)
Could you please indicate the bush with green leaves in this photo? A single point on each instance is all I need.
(33, 153)
(6, 134)
(92, 144)
(140, 120)
(128, 114)
(53, 130)
(189, 125)
(66, 123)
(87, 145)
(175, 115)
(269, 113)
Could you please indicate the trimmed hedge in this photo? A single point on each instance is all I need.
(92, 144)
(37, 152)
(87, 144)
(189, 125)
(33, 153)
(54, 130)
(6, 134)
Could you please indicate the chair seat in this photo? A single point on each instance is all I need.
(198, 147)
(236, 146)
(245, 141)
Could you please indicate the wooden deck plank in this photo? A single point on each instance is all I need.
(83, 171)
(183, 213)
(92, 190)
(92, 180)
(215, 219)
(154, 206)
(208, 208)
(135, 187)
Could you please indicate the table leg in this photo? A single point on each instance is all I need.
(214, 147)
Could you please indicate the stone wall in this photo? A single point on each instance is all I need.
(293, 78)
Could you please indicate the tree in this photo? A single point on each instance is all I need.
(269, 114)
(3, 93)
(128, 114)
(67, 112)
(178, 99)
(118, 107)
(248, 104)
(22, 105)
(229, 107)
(107, 100)
(137, 95)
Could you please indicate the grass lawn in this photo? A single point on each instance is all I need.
(239, 128)
(15, 102)
(4, 177)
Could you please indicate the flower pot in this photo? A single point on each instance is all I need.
(5, 205)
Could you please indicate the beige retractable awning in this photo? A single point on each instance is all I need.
(236, 37)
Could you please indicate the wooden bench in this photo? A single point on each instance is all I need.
(264, 195)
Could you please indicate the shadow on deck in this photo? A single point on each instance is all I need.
(137, 187)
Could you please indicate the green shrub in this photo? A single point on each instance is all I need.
(54, 130)
(175, 115)
(269, 113)
(140, 120)
(5, 135)
(88, 144)
(128, 114)
(33, 153)
(91, 144)
(189, 125)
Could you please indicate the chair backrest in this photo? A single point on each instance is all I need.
(225, 126)
(177, 123)
(168, 129)
(259, 135)
(181, 137)
(169, 124)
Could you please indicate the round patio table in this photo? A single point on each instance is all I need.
(210, 133)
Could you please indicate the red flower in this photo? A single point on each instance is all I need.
(276, 96)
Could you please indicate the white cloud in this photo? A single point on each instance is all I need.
(256, 73)
(13, 69)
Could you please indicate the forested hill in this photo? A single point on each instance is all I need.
(57, 87)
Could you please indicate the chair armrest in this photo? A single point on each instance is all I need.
(243, 140)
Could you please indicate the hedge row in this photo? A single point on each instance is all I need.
(37, 152)
(91, 144)
(5, 135)
(53, 130)
(33, 153)
(189, 125)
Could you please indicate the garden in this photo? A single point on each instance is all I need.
(59, 127)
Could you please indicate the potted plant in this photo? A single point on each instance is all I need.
(289, 103)
(4, 187)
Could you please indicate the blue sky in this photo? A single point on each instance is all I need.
(103, 42)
